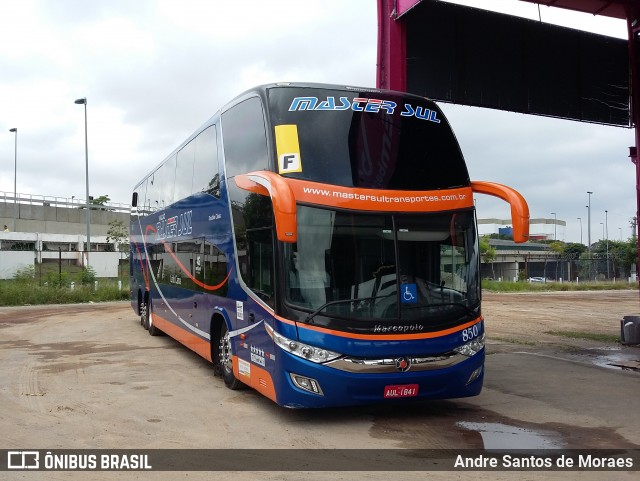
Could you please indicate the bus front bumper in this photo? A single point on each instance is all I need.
(351, 381)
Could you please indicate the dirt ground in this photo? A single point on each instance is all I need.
(88, 376)
(538, 318)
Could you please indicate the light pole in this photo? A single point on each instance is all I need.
(606, 237)
(589, 231)
(83, 101)
(555, 223)
(602, 224)
(580, 219)
(15, 177)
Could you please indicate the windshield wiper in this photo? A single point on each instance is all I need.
(308, 319)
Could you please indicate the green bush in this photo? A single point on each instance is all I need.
(53, 279)
(88, 276)
(25, 275)
(15, 293)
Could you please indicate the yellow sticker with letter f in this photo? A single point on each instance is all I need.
(288, 149)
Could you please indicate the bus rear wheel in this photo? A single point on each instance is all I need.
(151, 327)
(225, 359)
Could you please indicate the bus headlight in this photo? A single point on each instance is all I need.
(471, 348)
(305, 351)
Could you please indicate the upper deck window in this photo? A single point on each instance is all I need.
(366, 139)
(244, 138)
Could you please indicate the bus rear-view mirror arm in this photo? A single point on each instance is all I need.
(519, 207)
(284, 202)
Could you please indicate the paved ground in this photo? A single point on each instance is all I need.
(88, 376)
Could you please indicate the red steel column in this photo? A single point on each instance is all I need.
(633, 26)
(391, 70)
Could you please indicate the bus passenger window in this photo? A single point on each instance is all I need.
(206, 177)
(260, 264)
(184, 172)
(245, 140)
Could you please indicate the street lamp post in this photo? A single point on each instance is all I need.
(589, 231)
(15, 177)
(83, 101)
(555, 224)
(602, 224)
(580, 219)
(606, 237)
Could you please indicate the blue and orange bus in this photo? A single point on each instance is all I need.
(318, 243)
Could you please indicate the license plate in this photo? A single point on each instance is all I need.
(402, 390)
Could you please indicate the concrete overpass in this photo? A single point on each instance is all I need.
(57, 215)
(54, 229)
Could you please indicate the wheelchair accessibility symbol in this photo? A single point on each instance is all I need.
(409, 293)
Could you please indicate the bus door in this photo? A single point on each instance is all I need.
(255, 348)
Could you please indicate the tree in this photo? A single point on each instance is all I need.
(97, 201)
(556, 247)
(573, 250)
(623, 255)
(117, 235)
(102, 200)
(487, 253)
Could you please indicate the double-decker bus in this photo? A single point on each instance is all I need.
(318, 243)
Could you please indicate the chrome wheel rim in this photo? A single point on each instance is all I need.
(143, 313)
(225, 353)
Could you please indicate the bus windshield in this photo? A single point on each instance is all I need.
(383, 266)
(369, 139)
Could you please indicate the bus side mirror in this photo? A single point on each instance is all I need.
(284, 202)
(134, 200)
(519, 207)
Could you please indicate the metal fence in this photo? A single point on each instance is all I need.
(68, 202)
(560, 268)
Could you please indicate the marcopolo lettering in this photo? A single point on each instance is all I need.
(379, 328)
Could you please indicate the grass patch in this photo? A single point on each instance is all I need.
(14, 293)
(590, 336)
(521, 342)
(51, 283)
(521, 286)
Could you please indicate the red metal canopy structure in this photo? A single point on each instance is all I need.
(469, 56)
(608, 8)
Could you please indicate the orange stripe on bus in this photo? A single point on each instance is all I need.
(256, 374)
(382, 337)
(196, 344)
(185, 270)
(381, 200)
(145, 272)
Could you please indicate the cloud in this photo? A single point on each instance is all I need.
(154, 71)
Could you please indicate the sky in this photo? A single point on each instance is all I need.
(154, 70)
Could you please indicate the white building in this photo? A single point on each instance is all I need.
(22, 249)
(539, 229)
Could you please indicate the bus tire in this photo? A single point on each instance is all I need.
(151, 327)
(225, 359)
(144, 313)
(139, 307)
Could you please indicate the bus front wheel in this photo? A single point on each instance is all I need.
(225, 359)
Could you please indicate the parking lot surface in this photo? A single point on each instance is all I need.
(88, 376)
